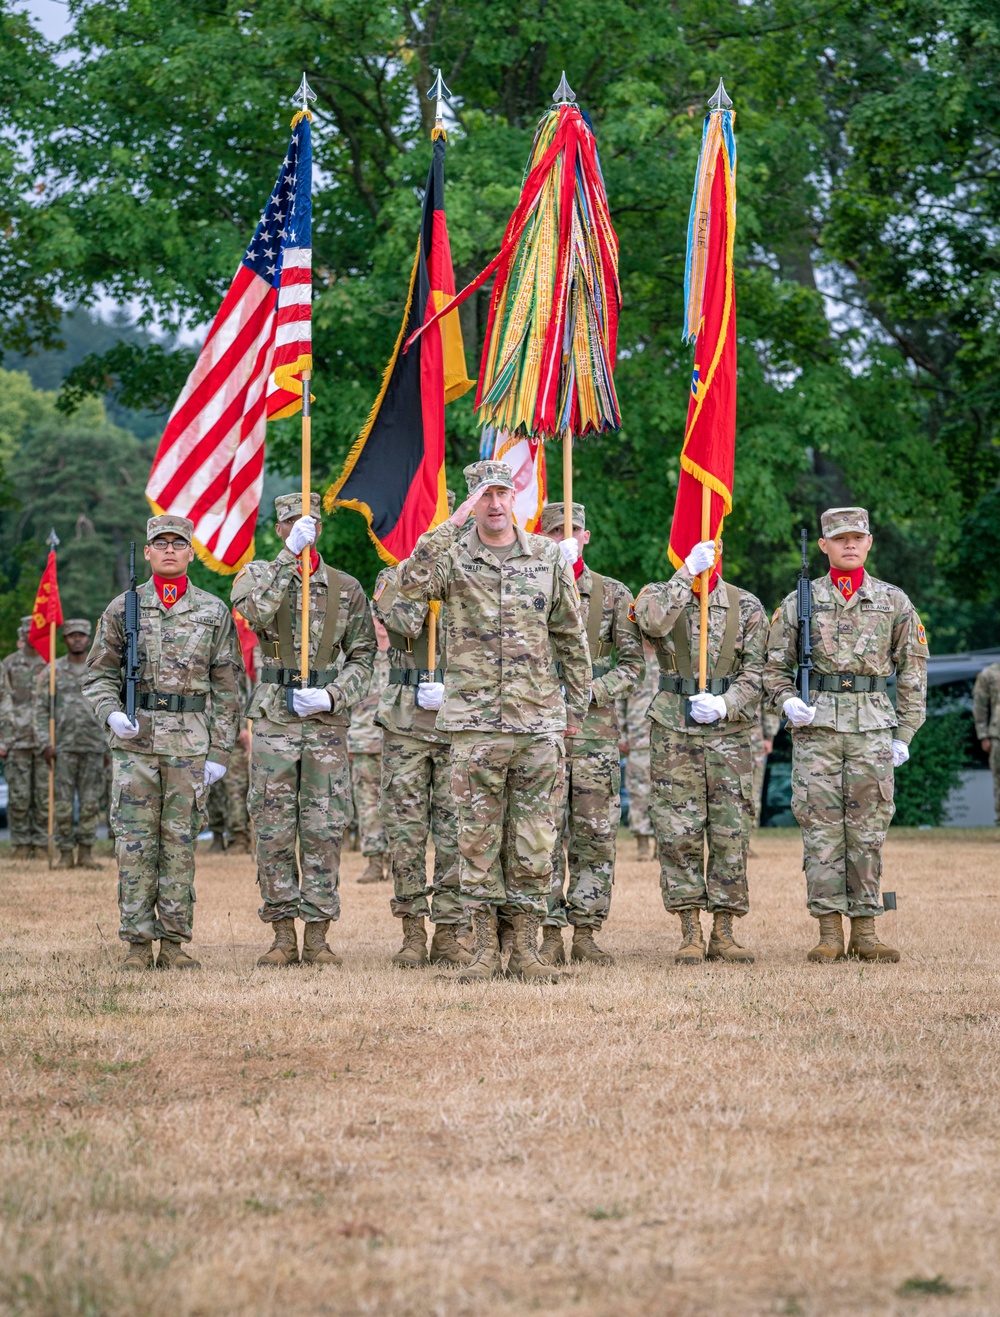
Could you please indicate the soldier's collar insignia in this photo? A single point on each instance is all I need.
(170, 594)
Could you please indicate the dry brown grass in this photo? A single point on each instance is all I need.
(788, 1139)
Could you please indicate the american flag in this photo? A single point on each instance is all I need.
(210, 462)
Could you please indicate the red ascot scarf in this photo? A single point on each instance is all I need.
(847, 582)
(170, 589)
(313, 563)
(578, 568)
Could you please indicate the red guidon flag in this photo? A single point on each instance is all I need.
(47, 609)
(708, 454)
(394, 475)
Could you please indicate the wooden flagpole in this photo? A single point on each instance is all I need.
(52, 740)
(306, 502)
(567, 483)
(706, 531)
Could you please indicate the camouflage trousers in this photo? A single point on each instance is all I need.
(995, 770)
(227, 798)
(759, 764)
(157, 804)
(300, 791)
(416, 802)
(637, 781)
(702, 788)
(842, 799)
(504, 784)
(366, 778)
(27, 776)
(79, 773)
(592, 803)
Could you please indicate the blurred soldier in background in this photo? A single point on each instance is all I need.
(633, 722)
(364, 748)
(765, 729)
(986, 712)
(24, 767)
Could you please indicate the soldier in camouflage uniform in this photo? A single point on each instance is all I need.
(633, 720)
(765, 729)
(24, 767)
(228, 817)
(592, 778)
(180, 742)
(848, 740)
(986, 713)
(78, 754)
(299, 772)
(364, 748)
(512, 609)
(700, 750)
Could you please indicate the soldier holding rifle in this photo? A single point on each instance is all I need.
(833, 644)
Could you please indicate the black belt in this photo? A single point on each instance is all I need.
(596, 670)
(162, 703)
(846, 683)
(690, 685)
(292, 676)
(414, 676)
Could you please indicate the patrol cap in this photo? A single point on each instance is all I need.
(552, 517)
(288, 507)
(169, 523)
(25, 625)
(844, 521)
(76, 626)
(488, 473)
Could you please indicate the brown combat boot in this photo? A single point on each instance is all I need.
(830, 946)
(173, 956)
(485, 963)
(65, 860)
(373, 873)
(284, 950)
(413, 953)
(85, 858)
(314, 948)
(525, 962)
(138, 956)
(22, 852)
(586, 949)
(865, 942)
(722, 945)
(644, 848)
(692, 948)
(446, 948)
(552, 951)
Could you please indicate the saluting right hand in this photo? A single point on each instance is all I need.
(464, 510)
(120, 725)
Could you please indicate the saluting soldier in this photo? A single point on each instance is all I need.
(848, 740)
(24, 767)
(512, 609)
(186, 721)
(592, 781)
(701, 755)
(78, 754)
(986, 714)
(300, 787)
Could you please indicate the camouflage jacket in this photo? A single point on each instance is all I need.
(188, 649)
(17, 676)
(986, 703)
(633, 709)
(619, 635)
(506, 623)
(363, 736)
(77, 728)
(657, 611)
(874, 632)
(406, 622)
(258, 592)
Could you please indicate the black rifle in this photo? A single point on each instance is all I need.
(131, 665)
(804, 605)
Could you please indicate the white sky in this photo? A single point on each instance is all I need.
(51, 16)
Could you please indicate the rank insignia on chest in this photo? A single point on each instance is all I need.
(170, 594)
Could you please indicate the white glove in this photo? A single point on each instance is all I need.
(900, 753)
(430, 694)
(570, 550)
(311, 699)
(213, 772)
(798, 713)
(707, 708)
(120, 725)
(701, 557)
(301, 534)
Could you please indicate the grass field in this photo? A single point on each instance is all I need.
(791, 1138)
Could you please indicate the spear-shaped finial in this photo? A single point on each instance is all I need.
(439, 93)
(305, 93)
(720, 101)
(53, 539)
(564, 93)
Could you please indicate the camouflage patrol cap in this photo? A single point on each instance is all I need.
(169, 523)
(488, 473)
(76, 626)
(288, 507)
(553, 513)
(844, 521)
(24, 626)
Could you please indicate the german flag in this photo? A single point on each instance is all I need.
(394, 475)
